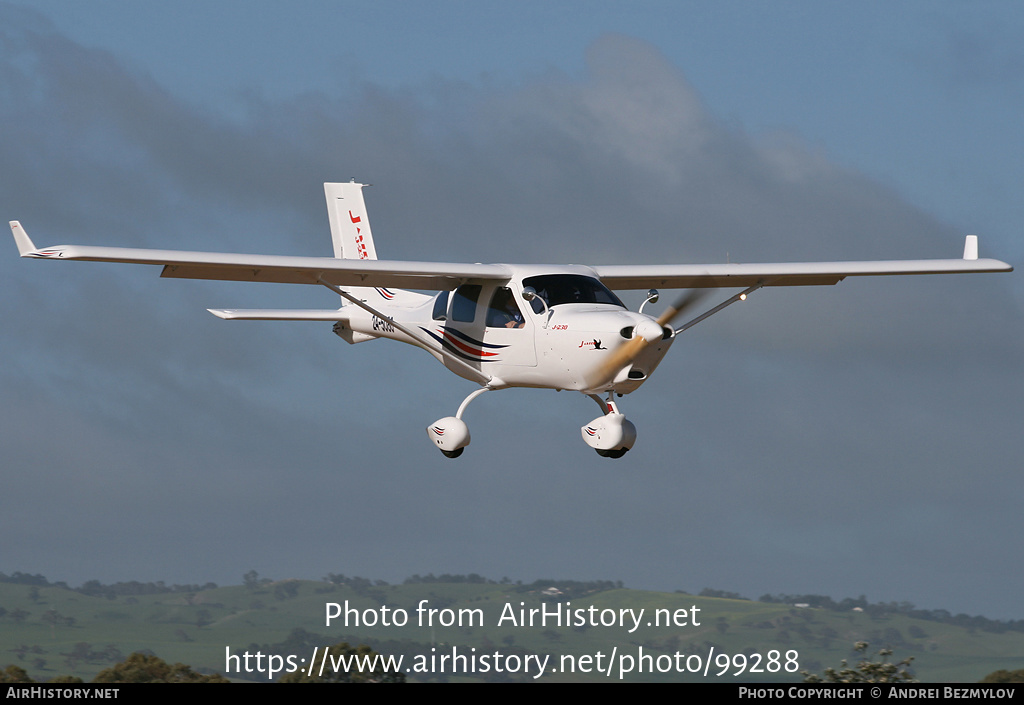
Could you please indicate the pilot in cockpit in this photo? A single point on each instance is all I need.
(503, 311)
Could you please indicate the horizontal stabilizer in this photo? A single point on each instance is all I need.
(279, 314)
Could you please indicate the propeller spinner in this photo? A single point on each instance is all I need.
(644, 334)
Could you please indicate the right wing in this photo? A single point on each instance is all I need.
(713, 276)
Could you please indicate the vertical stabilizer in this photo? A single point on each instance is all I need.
(350, 227)
(350, 231)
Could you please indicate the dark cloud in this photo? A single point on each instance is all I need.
(800, 426)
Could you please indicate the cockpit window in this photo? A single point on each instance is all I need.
(464, 302)
(558, 289)
(440, 306)
(503, 311)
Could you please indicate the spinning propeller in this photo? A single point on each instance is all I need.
(644, 333)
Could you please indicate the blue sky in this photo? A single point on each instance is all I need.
(862, 439)
(874, 86)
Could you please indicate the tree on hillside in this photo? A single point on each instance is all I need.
(251, 580)
(867, 671)
(146, 668)
(1003, 676)
(15, 674)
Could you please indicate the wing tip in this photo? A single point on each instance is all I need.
(971, 255)
(971, 247)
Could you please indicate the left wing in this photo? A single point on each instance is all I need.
(702, 276)
(434, 276)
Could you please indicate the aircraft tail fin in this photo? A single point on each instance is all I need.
(350, 231)
(350, 227)
(25, 244)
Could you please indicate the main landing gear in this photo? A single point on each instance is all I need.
(451, 434)
(611, 435)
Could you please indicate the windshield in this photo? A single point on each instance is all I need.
(558, 289)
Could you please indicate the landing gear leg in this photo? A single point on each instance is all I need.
(610, 435)
(451, 434)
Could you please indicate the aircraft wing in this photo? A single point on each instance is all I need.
(434, 276)
(702, 276)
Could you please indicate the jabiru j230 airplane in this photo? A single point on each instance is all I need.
(502, 325)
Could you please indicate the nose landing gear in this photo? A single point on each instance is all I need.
(610, 435)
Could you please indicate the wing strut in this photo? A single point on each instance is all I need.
(742, 296)
(416, 339)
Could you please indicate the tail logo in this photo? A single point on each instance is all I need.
(360, 245)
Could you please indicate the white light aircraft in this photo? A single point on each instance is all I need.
(502, 325)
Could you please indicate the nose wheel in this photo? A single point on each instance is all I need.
(611, 435)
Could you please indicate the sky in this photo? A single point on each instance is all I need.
(862, 439)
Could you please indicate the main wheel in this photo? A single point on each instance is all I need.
(453, 453)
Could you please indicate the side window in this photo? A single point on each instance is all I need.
(441, 306)
(503, 311)
(464, 302)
